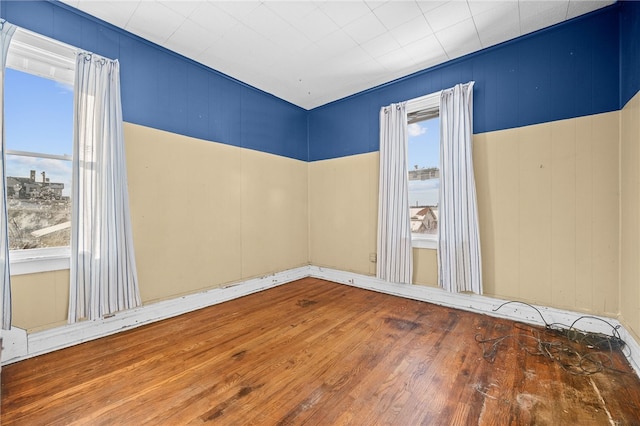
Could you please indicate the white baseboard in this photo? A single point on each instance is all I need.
(19, 345)
(14, 343)
(632, 350)
(487, 305)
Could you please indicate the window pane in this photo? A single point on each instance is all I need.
(39, 120)
(38, 202)
(424, 175)
(38, 114)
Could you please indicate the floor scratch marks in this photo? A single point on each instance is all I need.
(604, 404)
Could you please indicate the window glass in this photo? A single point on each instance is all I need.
(38, 114)
(424, 175)
(39, 140)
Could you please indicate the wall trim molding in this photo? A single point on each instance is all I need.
(487, 305)
(19, 345)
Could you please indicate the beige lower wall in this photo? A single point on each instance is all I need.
(343, 215)
(343, 212)
(204, 214)
(548, 206)
(549, 213)
(425, 267)
(274, 218)
(630, 215)
(40, 300)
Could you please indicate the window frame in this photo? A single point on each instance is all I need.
(46, 58)
(428, 103)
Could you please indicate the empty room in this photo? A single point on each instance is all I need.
(320, 212)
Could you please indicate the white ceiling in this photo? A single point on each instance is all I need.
(313, 52)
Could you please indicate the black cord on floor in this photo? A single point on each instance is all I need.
(594, 355)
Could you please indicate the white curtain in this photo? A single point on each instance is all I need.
(103, 269)
(459, 260)
(395, 263)
(6, 32)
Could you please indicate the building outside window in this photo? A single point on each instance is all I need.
(424, 168)
(39, 143)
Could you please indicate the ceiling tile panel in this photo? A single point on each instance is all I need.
(236, 8)
(213, 19)
(222, 50)
(381, 45)
(335, 43)
(115, 13)
(397, 59)
(154, 21)
(459, 39)
(537, 15)
(190, 39)
(365, 28)
(447, 15)
(349, 58)
(290, 41)
(315, 25)
(427, 5)
(291, 11)
(535, 7)
(480, 6)
(183, 7)
(263, 20)
(498, 24)
(425, 49)
(242, 37)
(217, 57)
(313, 52)
(425, 63)
(394, 14)
(374, 4)
(580, 7)
(342, 13)
(411, 31)
(256, 52)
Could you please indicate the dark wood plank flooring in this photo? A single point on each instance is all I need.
(317, 353)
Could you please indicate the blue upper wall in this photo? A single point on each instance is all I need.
(585, 66)
(569, 70)
(163, 90)
(629, 50)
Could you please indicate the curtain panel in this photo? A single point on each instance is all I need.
(103, 269)
(395, 259)
(6, 32)
(459, 260)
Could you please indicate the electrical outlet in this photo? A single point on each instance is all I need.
(373, 257)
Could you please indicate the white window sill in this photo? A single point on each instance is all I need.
(424, 241)
(39, 260)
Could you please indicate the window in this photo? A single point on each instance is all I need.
(423, 130)
(39, 141)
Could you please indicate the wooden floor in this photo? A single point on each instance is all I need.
(317, 353)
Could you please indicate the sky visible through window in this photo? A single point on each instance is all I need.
(38, 118)
(424, 152)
